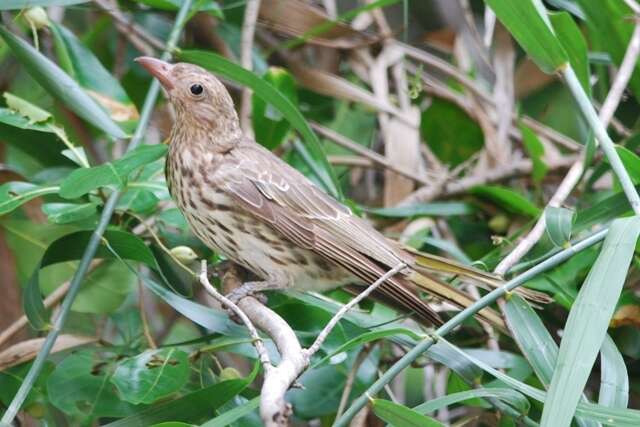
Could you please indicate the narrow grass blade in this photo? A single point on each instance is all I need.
(607, 416)
(60, 85)
(534, 340)
(588, 321)
(614, 381)
(507, 395)
(234, 414)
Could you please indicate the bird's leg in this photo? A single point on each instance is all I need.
(254, 289)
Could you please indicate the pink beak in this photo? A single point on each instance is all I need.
(159, 69)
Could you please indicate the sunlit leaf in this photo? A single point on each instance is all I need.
(60, 85)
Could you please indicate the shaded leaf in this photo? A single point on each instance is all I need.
(64, 213)
(559, 223)
(269, 125)
(508, 199)
(14, 194)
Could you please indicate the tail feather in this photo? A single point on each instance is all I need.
(428, 263)
(454, 296)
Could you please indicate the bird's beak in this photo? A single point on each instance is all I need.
(159, 69)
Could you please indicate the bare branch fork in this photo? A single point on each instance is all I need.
(274, 409)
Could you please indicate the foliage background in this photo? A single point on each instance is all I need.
(429, 118)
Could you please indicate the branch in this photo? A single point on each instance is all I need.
(345, 308)
(226, 302)
(517, 167)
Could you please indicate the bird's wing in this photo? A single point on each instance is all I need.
(281, 195)
(284, 198)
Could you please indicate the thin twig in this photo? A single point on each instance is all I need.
(345, 308)
(246, 53)
(253, 332)
(137, 36)
(516, 168)
(351, 377)
(143, 316)
(345, 142)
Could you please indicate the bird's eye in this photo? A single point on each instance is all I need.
(196, 89)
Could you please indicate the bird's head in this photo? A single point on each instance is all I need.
(200, 100)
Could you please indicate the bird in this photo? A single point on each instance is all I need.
(247, 204)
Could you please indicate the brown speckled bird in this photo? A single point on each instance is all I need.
(246, 203)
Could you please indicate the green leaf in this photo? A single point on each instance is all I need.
(228, 69)
(105, 289)
(400, 416)
(32, 112)
(234, 414)
(151, 375)
(559, 223)
(614, 380)
(610, 30)
(424, 209)
(80, 386)
(60, 85)
(631, 162)
(507, 395)
(365, 338)
(451, 134)
(535, 150)
(15, 194)
(93, 76)
(269, 125)
(535, 341)
(71, 247)
(11, 117)
(574, 44)
(64, 213)
(82, 181)
(24, 4)
(609, 416)
(508, 199)
(191, 407)
(527, 21)
(588, 321)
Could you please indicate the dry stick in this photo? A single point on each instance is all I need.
(51, 300)
(257, 341)
(448, 93)
(246, 46)
(516, 168)
(351, 377)
(376, 158)
(573, 176)
(139, 38)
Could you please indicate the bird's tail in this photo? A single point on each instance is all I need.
(454, 296)
(433, 264)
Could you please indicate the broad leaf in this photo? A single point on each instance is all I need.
(151, 375)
